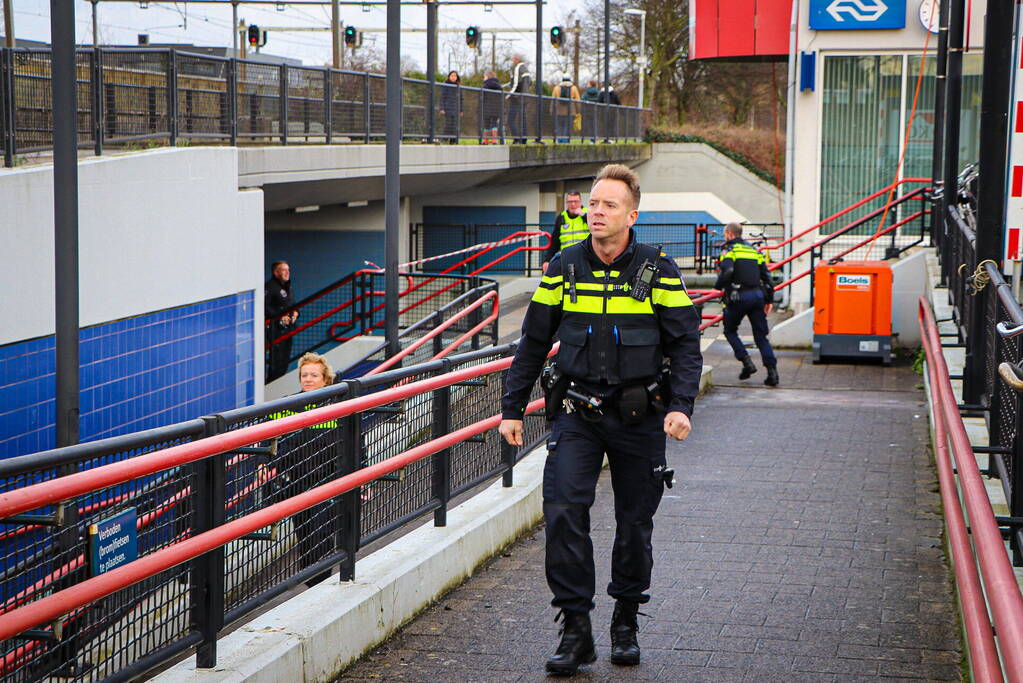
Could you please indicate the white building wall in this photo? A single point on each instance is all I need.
(809, 105)
(156, 230)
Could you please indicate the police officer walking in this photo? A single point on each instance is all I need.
(627, 374)
(569, 227)
(747, 292)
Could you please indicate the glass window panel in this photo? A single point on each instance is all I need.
(860, 130)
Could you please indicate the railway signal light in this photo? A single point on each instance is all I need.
(472, 36)
(557, 36)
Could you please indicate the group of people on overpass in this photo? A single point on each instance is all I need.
(571, 116)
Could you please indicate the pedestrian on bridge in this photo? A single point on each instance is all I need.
(569, 227)
(627, 374)
(747, 292)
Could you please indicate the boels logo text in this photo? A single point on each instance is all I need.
(839, 15)
(859, 282)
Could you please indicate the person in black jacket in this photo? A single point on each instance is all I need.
(492, 105)
(280, 313)
(747, 292)
(627, 374)
(451, 106)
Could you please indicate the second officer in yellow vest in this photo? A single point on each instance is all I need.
(569, 227)
(620, 310)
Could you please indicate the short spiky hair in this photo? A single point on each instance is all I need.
(624, 174)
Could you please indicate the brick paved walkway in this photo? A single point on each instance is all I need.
(803, 542)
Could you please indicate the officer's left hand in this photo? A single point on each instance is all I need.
(677, 426)
(768, 308)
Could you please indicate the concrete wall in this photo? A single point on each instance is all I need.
(156, 230)
(171, 295)
(698, 168)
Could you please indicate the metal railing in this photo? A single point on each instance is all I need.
(846, 240)
(955, 458)
(141, 96)
(232, 510)
(694, 246)
(354, 306)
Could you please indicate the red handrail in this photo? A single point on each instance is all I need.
(411, 348)
(851, 207)
(97, 587)
(1003, 592)
(979, 637)
(504, 241)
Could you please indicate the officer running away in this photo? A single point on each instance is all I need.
(627, 374)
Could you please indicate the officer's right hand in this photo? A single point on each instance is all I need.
(768, 308)
(511, 430)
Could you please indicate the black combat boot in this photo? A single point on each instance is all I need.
(624, 646)
(576, 644)
(772, 376)
(748, 368)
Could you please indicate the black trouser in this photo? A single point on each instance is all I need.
(575, 454)
(280, 352)
(750, 305)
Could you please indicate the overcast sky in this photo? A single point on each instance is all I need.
(205, 24)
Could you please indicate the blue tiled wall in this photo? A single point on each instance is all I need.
(138, 373)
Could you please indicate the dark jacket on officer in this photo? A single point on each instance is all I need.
(608, 338)
(743, 268)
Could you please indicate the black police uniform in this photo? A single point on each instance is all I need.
(747, 288)
(277, 301)
(609, 341)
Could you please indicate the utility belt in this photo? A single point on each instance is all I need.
(632, 402)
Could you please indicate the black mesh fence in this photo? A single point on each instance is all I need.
(139, 627)
(133, 96)
(57, 548)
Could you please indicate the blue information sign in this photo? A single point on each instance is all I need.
(113, 542)
(847, 15)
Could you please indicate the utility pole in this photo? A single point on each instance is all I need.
(392, 177)
(335, 32)
(234, 29)
(242, 29)
(539, 72)
(493, 51)
(575, 55)
(431, 69)
(600, 32)
(9, 23)
(95, 24)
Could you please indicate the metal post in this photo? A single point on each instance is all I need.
(539, 72)
(328, 105)
(367, 119)
(283, 115)
(232, 100)
(953, 106)
(442, 459)
(431, 69)
(994, 129)
(207, 594)
(65, 217)
(95, 23)
(335, 33)
(7, 108)
(172, 97)
(96, 85)
(607, 70)
(350, 503)
(392, 180)
(234, 29)
(937, 157)
(9, 23)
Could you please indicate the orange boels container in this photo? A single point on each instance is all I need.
(853, 310)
